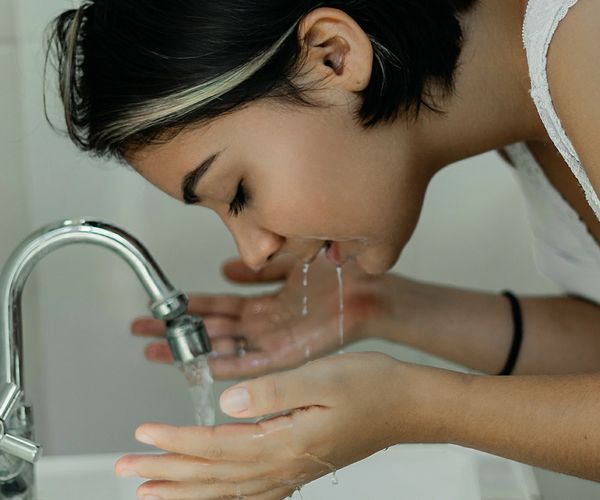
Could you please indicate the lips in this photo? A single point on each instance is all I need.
(332, 251)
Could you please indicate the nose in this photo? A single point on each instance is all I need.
(257, 245)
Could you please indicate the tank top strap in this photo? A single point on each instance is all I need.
(541, 21)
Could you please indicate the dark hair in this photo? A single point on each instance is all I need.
(131, 71)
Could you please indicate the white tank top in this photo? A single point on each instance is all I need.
(565, 251)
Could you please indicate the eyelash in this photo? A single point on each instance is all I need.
(240, 200)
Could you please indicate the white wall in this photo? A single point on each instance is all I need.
(97, 386)
(86, 374)
(14, 198)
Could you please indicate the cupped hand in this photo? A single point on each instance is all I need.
(255, 335)
(339, 410)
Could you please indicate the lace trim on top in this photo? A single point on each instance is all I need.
(541, 21)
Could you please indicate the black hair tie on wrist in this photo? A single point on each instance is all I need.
(517, 335)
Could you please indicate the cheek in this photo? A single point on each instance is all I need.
(299, 193)
(295, 210)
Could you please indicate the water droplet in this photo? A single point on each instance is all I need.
(334, 479)
(241, 345)
(329, 465)
(305, 270)
(340, 278)
(238, 492)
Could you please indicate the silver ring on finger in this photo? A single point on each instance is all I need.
(241, 346)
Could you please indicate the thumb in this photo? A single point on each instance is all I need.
(272, 394)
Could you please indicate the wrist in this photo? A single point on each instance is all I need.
(369, 307)
(408, 304)
(437, 399)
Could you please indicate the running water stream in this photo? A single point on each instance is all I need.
(200, 383)
(305, 270)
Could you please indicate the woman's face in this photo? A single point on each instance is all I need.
(289, 179)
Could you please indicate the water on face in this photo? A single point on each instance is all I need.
(200, 382)
(340, 278)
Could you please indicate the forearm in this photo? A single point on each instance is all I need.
(550, 421)
(475, 329)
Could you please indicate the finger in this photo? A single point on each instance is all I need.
(206, 305)
(278, 494)
(224, 347)
(278, 270)
(230, 442)
(167, 490)
(225, 361)
(158, 352)
(174, 467)
(216, 326)
(227, 347)
(148, 327)
(234, 367)
(274, 393)
(221, 326)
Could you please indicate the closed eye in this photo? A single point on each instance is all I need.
(240, 200)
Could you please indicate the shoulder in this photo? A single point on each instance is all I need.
(574, 80)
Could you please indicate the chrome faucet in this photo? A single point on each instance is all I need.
(186, 335)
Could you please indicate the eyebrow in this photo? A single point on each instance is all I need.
(190, 181)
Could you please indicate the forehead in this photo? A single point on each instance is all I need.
(188, 144)
(171, 148)
(165, 163)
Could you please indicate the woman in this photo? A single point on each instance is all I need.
(308, 125)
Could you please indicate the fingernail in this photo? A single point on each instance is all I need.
(126, 473)
(138, 326)
(144, 438)
(235, 400)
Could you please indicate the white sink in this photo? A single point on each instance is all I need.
(407, 472)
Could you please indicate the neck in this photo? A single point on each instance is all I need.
(490, 106)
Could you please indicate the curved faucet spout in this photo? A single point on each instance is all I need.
(167, 302)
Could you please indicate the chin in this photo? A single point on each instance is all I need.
(376, 263)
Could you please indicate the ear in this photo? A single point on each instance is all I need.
(337, 49)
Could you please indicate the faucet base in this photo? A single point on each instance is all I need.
(17, 475)
(21, 486)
